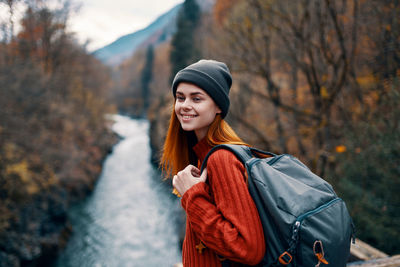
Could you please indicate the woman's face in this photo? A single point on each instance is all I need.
(195, 109)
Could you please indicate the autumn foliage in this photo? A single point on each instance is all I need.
(320, 79)
(53, 134)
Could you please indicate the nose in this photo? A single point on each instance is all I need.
(186, 105)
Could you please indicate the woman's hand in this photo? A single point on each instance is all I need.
(187, 178)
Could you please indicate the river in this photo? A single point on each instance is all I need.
(128, 220)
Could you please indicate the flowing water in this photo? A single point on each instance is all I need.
(129, 218)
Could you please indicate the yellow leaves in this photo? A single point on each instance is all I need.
(32, 188)
(366, 81)
(21, 169)
(324, 93)
(340, 149)
(25, 174)
(308, 111)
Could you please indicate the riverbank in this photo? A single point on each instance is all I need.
(130, 216)
(34, 225)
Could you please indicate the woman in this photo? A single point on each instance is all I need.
(222, 220)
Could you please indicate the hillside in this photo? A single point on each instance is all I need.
(158, 31)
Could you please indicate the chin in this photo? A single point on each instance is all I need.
(187, 129)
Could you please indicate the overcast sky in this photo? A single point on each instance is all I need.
(103, 21)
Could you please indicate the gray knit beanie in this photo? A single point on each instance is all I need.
(211, 76)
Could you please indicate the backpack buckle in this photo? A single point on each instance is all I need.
(285, 258)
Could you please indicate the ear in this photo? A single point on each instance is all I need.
(218, 110)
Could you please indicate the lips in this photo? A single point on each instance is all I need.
(187, 117)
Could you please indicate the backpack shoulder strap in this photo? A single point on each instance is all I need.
(242, 152)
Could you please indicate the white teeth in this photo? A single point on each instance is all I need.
(188, 116)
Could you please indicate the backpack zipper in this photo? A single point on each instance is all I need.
(275, 159)
(297, 224)
(253, 161)
(314, 211)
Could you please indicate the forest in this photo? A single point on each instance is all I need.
(53, 133)
(315, 79)
(318, 79)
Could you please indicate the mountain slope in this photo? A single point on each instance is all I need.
(158, 31)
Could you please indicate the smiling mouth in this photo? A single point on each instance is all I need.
(188, 117)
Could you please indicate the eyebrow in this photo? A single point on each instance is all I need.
(192, 94)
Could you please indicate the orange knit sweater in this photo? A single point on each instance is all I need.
(221, 215)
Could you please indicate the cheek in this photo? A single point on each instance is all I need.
(176, 108)
(212, 109)
(209, 113)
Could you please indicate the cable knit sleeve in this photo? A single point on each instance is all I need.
(224, 215)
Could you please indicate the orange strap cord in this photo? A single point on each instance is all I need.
(319, 253)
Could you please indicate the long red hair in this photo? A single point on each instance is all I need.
(177, 151)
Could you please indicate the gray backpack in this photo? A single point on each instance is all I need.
(305, 223)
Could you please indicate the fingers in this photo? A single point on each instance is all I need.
(192, 170)
(186, 178)
(203, 176)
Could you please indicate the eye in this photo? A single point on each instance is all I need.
(180, 98)
(196, 99)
